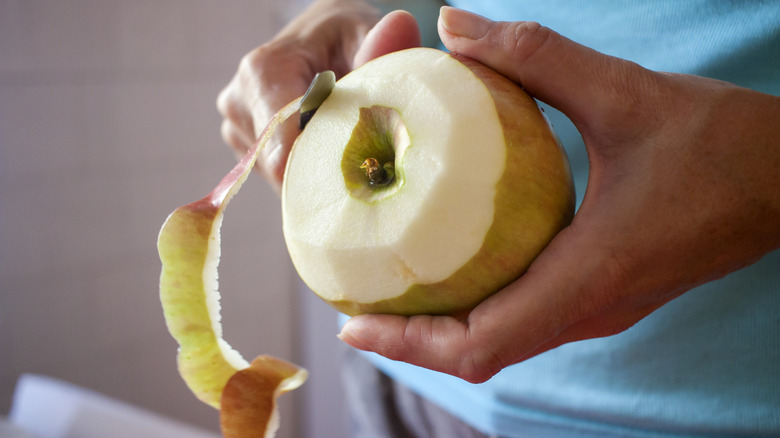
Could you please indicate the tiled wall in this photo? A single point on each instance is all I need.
(108, 122)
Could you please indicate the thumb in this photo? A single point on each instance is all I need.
(541, 60)
(397, 30)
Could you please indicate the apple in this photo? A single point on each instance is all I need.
(424, 183)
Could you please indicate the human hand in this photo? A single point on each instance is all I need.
(682, 189)
(336, 35)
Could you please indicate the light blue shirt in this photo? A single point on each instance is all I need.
(707, 363)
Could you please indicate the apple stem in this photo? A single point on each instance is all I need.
(378, 175)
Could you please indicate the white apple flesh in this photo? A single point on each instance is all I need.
(478, 186)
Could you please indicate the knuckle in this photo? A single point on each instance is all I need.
(236, 111)
(478, 366)
(254, 60)
(266, 57)
(419, 331)
(477, 361)
(233, 137)
(253, 68)
(226, 130)
(224, 101)
(526, 38)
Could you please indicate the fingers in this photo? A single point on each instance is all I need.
(565, 294)
(439, 343)
(637, 240)
(235, 137)
(324, 36)
(237, 127)
(546, 307)
(542, 61)
(397, 30)
(268, 78)
(574, 290)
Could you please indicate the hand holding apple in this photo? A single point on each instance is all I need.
(682, 190)
(423, 184)
(329, 35)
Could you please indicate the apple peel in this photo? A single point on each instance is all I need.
(249, 406)
(189, 249)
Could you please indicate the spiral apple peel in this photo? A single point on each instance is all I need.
(189, 249)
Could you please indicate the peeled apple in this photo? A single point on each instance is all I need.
(424, 183)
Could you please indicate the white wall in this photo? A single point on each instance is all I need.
(107, 123)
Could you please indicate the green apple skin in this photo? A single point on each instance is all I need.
(189, 248)
(534, 200)
(183, 246)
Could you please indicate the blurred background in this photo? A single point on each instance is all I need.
(107, 123)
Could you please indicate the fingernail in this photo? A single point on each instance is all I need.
(463, 23)
(347, 335)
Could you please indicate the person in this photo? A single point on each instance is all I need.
(656, 311)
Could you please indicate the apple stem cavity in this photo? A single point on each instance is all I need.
(370, 163)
